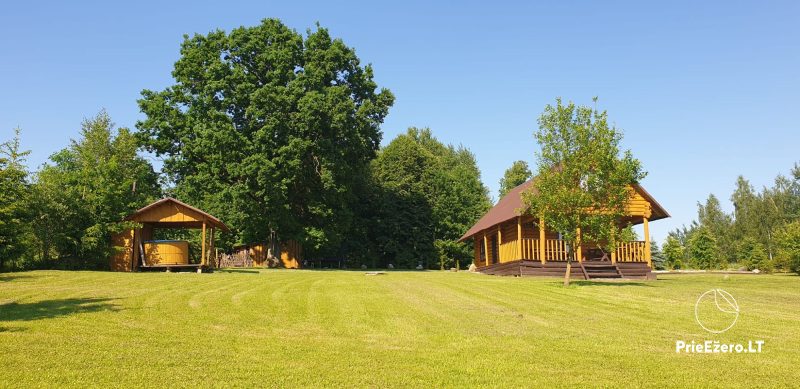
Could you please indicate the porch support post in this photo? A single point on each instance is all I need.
(486, 248)
(578, 251)
(203, 245)
(519, 237)
(542, 252)
(499, 241)
(647, 244)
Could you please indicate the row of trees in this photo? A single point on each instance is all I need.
(413, 202)
(763, 232)
(268, 129)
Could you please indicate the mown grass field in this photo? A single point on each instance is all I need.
(278, 328)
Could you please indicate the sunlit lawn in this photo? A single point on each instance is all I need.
(279, 328)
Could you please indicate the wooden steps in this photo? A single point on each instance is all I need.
(599, 270)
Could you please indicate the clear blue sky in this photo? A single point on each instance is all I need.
(704, 91)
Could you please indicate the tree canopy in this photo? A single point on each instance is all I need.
(268, 129)
(580, 170)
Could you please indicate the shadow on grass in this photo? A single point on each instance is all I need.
(238, 271)
(6, 277)
(610, 283)
(49, 309)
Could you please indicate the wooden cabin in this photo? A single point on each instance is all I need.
(138, 250)
(508, 241)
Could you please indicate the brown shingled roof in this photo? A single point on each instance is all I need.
(510, 206)
(507, 208)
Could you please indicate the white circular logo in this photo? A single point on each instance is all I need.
(716, 311)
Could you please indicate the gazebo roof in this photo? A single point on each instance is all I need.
(170, 212)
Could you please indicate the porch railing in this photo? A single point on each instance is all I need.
(529, 249)
(556, 251)
(633, 251)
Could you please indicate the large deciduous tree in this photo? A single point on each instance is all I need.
(268, 130)
(583, 179)
(516, 175)
(430, 193)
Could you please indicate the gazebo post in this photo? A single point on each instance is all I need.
(213, 248)
(203, 245)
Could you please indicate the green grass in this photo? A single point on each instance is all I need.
(276, 328)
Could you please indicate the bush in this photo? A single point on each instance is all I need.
(752, 254)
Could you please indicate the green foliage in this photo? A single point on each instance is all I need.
(719, 224)
(81, 197)
(753, 255)
(518, 174)
(750, 234)
(269, 130)
(658, 258)
(13, 197)
(674, 253)
(580, 170)
(788, 239)
(703, 249)
(428, 194)
(628, 234)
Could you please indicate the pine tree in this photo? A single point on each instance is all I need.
(658, 258)
(13, 197)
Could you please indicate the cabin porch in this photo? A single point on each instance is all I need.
(525, 247)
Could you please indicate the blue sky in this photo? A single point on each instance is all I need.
(704, 91)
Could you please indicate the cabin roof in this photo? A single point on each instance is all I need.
(511, 204)
(146, 214)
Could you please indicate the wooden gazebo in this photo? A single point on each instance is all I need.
(138, 250)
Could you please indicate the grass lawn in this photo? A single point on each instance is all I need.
(279, 328)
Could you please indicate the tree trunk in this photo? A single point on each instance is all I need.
(569, 262)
